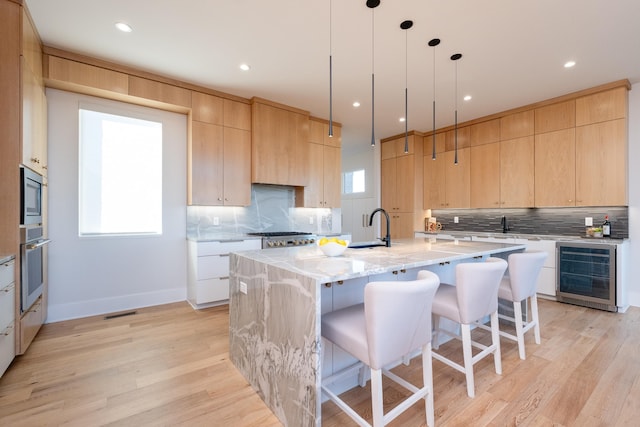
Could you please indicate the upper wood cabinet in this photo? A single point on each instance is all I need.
(555, 157)
(555, 117)
(325, 168)
(220, 152)
(463, 136)
(72, 74)
(485, 176)
(484, 132)
(602, 106)
(159, 91)
(279, 144)
(601, 164)
(517, 169)
(517, 125)
(457, 179)
(401, 183)
(34, 120)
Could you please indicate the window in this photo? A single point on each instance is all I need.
(353, 182)
(120, 174)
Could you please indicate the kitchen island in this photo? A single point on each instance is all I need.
(277, 297)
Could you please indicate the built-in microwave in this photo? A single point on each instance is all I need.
(30, 197)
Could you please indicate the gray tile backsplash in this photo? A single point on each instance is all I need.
(545, 221)
(272, 209)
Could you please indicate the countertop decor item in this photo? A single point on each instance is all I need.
(333, 246)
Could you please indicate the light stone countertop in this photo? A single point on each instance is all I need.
(403, 254)
(561, 238)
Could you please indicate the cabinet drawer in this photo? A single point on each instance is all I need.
(211, 290)
(30, 324)
(217, 248)
(213, 266)
(7, 273)
(7, 346)
(7, 305)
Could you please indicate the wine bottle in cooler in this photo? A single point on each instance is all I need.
(606, 227)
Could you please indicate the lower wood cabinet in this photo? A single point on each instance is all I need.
(208, 270)
(30, 323)
(7, 314)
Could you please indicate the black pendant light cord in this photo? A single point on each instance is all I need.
(405, 25)
(372, 4)
(330, 72)
(455, 58)
(433, 43)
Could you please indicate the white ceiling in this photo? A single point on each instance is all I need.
(513, 51)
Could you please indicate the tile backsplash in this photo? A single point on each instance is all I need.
(545, 221)
(272, 209)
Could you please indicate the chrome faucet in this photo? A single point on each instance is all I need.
(504, 224)
(387, 239)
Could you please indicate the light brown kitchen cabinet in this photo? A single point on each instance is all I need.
(457, 179)
(485, 176)
(555, 167)
(601, 172)
(220, 168)
(561, 115)
(159, 91)
(325, 168)
(484, 132)
(73, 75)
(279, 144)
(401, 184)
(602, 106)
(34, 119)
(517, 124)
(463, 135)
(517, 173)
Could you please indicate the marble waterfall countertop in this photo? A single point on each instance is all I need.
(277, 298)
(403, 254)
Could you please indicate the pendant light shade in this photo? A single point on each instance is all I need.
(330, 71)
(405, 25)
(433, 43)
(455, 58)
(372, 4)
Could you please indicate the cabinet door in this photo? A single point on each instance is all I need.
(485, 176)
(237, 167)
(555, 157)
(401, 226)
(331, 177)
(517, 173)
(388, 170)
(34, 113)
(207, 164)
(457, 179)
(313, 193)
(601, 164)
(405, 183)
(434, 182)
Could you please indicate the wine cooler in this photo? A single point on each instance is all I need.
(586, 274)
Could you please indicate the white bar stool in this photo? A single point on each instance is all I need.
(474, 296)
(394, 320)
(519, 285)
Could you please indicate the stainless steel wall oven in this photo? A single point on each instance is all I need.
(586, 274)
(32, 255)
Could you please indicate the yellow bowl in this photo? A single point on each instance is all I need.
(333, 248)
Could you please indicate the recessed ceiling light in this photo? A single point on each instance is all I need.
(356, 104)
(125, 28)
(402, 119)
(467, 98)
(245, 67)
(569, 64)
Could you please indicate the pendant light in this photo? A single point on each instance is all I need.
(330, 71)
(433, 43)
(405, 25)
(455, 58)
(372, 4)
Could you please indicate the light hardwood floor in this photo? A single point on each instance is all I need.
(169, 366)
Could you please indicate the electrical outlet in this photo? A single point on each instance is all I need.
(311, 220)
(455, 220)
(216, 220)
(588, 221)
(243, 287)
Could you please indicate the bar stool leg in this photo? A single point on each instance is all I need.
(517, 314)
(376, 397)
(465, 331)
(495, 338)
(534, 317)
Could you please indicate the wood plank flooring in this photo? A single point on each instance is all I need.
(169, 366)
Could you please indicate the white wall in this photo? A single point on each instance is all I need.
(633, 267)
(97, 275)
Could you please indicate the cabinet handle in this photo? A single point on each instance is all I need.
(395, 272)
(219, 199)
(224, 278)
(221, 255)
(445, 263)
(327, 285)
(403, 271)
(8, 288)
(34, 160)
(7, 331)
(340, 282)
